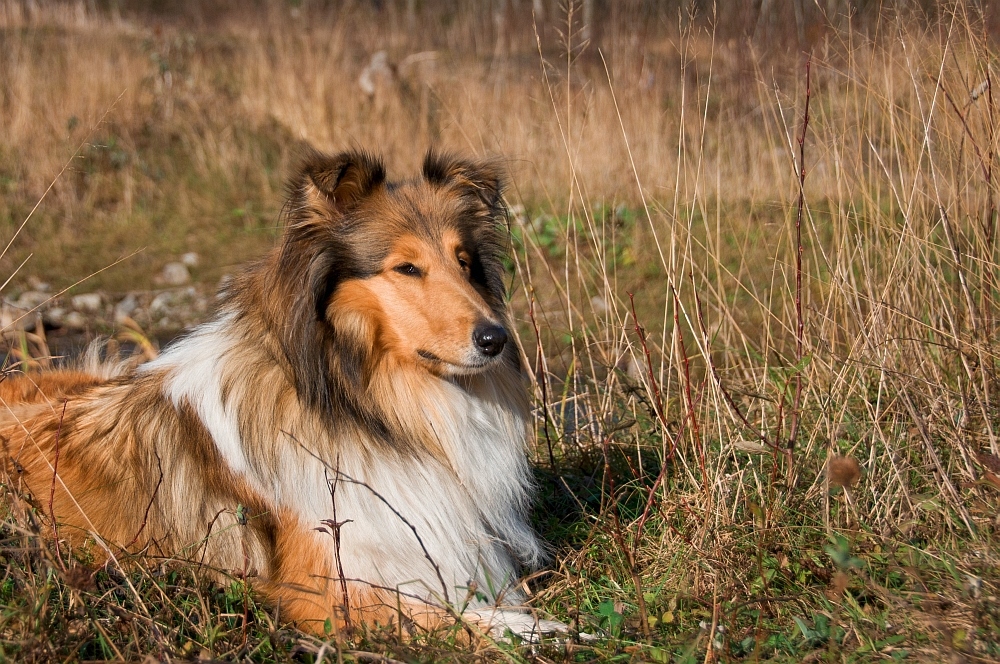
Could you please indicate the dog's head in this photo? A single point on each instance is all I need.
(409, 272)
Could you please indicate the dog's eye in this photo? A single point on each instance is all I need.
(409, 269)
(463, 263)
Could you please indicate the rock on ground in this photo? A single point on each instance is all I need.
(175, 274)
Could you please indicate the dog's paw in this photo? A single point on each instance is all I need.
(502, 624)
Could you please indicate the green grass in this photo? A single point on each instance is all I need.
(218, 215)
(659, 327)
(783, 589)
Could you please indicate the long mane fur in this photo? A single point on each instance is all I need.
(282, 414)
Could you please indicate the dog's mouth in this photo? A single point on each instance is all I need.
(452, 368)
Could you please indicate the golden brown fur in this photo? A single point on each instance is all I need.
(350, 425)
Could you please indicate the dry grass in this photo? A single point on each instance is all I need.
(719, 485)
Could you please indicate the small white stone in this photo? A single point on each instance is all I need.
(974, 585)
(13, 318)
(125, 308)
(175, 274)
(634, 369)
(161, 304)
(89, 303)
(54, 316)
(190, 259)
(38, 285)
(74, 320)
(31, 299)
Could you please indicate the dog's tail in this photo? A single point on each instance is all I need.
(99, 363)
(95, 367)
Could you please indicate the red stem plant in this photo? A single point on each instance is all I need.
(799, 323)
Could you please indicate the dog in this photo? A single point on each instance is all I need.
(350, 426)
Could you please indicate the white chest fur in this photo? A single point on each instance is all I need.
(409, 521)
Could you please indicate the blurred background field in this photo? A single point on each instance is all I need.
(740, 457)
(189, 115)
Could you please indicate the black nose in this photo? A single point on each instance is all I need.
(490, 339)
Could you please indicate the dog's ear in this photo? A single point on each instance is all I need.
(331, 185)
(325, 188)
(481, 183)
(313, 258)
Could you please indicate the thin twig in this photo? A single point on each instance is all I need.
(688, 401)
(145, 516)
(659, 410)
(990, 209)
(208, 534)
(965, 125)
(427, 555)
(246, 585)
(951, 493)
(351, 480)
(799, 323)
(986, 165)
(653, 490)
(543, 381)
(758, 433)
(619, 537)
(654, 385)
(336, 525)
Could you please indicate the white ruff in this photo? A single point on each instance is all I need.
(467, 513)
(193, 371)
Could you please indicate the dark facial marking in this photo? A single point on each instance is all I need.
(427, 355)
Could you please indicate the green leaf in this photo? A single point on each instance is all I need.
(822, 625)
(807, 632)
(607, 610)
(659, 655)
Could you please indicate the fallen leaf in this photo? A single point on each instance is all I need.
(991, 461)
(843, 471)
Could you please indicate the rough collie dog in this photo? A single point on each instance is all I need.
(350, 427)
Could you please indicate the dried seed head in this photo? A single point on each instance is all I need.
(80, 577)
(843, 471)
(980, 89)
